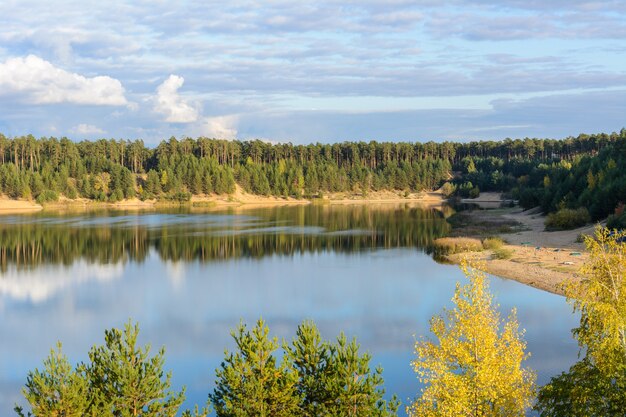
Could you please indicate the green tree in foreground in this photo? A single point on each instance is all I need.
(334, 379)
(250, 382)
(596, 385)
(127, 380)
(58, 390)
(315, 378)
(121, 380)
(474, 368)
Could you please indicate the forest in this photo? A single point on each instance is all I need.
(569, 173)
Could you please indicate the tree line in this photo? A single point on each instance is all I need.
(111, 170)
(472, 365)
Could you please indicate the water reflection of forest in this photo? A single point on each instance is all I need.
(121, 237)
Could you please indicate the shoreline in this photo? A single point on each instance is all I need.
(238, 199)
(541, 259)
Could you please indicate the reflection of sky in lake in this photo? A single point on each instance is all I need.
(384, 297)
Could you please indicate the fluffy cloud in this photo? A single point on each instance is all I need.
(37, 81)
(171, 104)
(220, 127)
(86, 129)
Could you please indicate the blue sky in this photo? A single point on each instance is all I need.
(312, 71)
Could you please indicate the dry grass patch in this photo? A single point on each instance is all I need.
(452, 245)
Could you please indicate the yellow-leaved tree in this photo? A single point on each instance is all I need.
(601, 299)
(474, 365)
(595, 385)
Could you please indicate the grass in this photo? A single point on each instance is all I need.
(452, 245)
(502, 253)
(493, 243)
(482, 223)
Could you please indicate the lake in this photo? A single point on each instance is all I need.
(189, 276)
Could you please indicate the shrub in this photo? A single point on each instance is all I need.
(180, 196)
(502, 253)
(452, 245)
(493, 243)
(566, 219)
(448, 189)
(46, 196)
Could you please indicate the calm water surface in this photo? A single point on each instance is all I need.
(189, 277)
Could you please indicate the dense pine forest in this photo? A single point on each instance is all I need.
(586, 171)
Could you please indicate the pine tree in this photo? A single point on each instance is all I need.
(58, 390)
(312, 360)
(334, 379)
(127, 381)
(250, 383)
(474, 368)
(356, 390)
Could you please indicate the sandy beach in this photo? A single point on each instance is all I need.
(545, 260)
(9, 206)
(239, 198)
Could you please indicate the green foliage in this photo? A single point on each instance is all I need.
(583, 391)
(566, 219)
(127, 381)
(334, 379)
(180, 196)
(250, 382)
(474, 192)
(47, 196)
(586, 171)
(58, 390)
(120, 380)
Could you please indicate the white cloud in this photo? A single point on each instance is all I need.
(220, 127)
(86, 129)
(40, 82)
(171, 104)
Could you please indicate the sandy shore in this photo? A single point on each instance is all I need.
(545, 260)
(8, 206)
(239, 198)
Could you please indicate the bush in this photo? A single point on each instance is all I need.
(493, 243)
(502, 253)
(452, 245)
(566, 219)
(448, 189)
(46, 196)
(180, 196)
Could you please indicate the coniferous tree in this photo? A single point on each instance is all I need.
(58, 390)
(250, 382)
(127, 381)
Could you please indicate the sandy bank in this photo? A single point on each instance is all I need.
(434, 198)
(238, 199)
(545, 260)
(8, 206)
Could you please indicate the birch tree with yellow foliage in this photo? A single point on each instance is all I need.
(473, 367)
(595, 385)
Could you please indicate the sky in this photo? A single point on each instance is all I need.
(303, 72)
